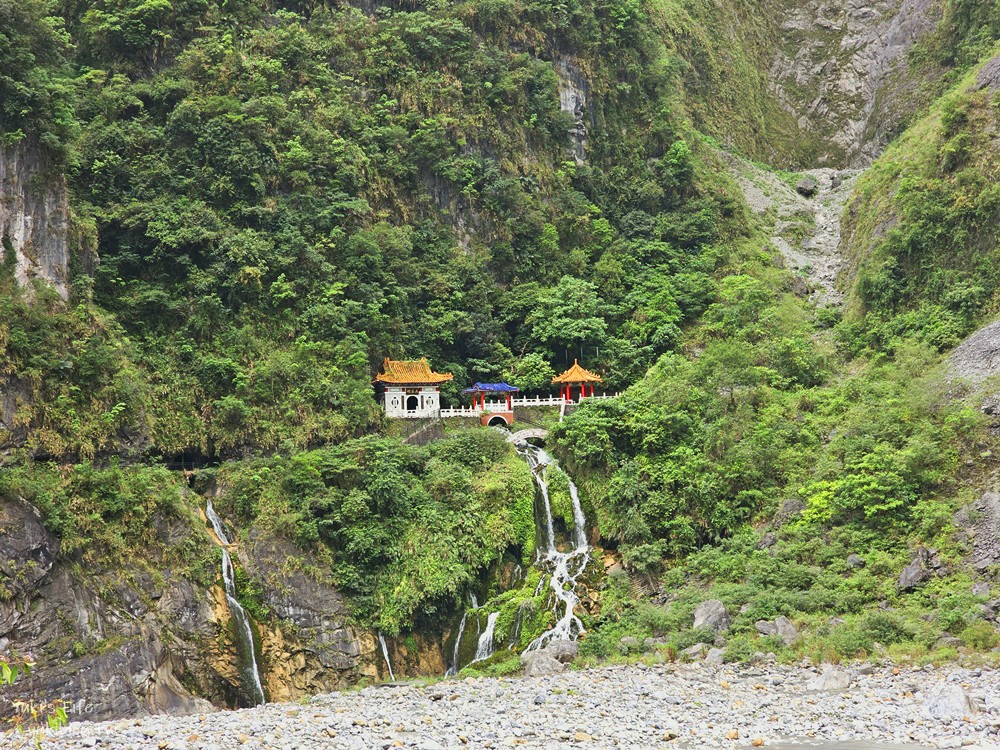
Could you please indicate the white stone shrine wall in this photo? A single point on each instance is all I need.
(412, 402)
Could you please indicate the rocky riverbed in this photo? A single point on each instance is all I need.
(660, 706)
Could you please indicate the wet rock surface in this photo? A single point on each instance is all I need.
(113, 642)
(669, 705)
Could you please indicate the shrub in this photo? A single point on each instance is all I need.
(980, 635)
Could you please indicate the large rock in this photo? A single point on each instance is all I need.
(831, 679)
(694, 652)
(807, 187)
(916, 573)
(712, 615)
(766, 627)
(540, 663)
(950, 701)
(563, 651)
(788, 633)
(715, 656)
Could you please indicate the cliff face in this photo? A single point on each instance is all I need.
(800, 85)
(840, 69)
(111, 643)
(34, 217)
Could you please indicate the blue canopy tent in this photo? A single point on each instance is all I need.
(479, 391)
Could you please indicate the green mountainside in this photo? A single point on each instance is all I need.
(265, 199)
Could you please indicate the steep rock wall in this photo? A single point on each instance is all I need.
(840, 68)
(34, 217)
(112, 642)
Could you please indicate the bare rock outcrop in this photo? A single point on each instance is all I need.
(574, 99)
(319, 651)
(840, 69)
(978, 357)
(34, 217)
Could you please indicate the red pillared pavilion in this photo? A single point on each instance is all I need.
(576, 375)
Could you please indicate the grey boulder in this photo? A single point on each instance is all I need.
(831, 679)
(712, 615)
(807, 187)
(787, 632)
(715, 656)
(540, 663)
(950, 702)
(562, 651)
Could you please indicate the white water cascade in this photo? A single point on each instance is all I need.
(560, 569)
(244, 635)
(385, 655)
(564, 567)
(484, 649)
(457, 653)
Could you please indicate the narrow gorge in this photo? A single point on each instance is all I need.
(257, 258)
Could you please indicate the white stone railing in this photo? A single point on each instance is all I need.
(498, 406)
(539, 401)
(462, 411)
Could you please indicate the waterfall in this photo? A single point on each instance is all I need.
(457, 653)
(244, 635)
(385, 655)
(484, 649)
(563, 567)
(474, 601)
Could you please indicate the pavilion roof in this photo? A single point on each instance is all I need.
(577, 374)
(410, 371)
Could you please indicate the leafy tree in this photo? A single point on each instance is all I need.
(568, 316)
(532, 372)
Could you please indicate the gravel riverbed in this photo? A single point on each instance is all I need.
(661, 706)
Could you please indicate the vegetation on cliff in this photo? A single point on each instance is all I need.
(284, 193)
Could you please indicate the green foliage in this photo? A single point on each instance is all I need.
(931, 275)
(36, 96)
(408, 530)
(980, 635)
(276, 195)
(107, 513)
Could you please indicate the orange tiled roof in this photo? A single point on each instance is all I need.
(577, 374)
(410, 371)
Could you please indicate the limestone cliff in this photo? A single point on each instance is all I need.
(800, 85)
(112, 641)
(35, 226)
(840, 69)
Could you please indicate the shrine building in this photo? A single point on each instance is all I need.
(411, 389)
(576, 376)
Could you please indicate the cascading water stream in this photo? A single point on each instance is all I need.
(244, 635)
(457, 653)
(560, 570)
(385, 655)
(484, 649)
(564, 567)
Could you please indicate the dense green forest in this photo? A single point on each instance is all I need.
(281, 194)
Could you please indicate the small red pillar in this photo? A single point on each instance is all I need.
(510, 406)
